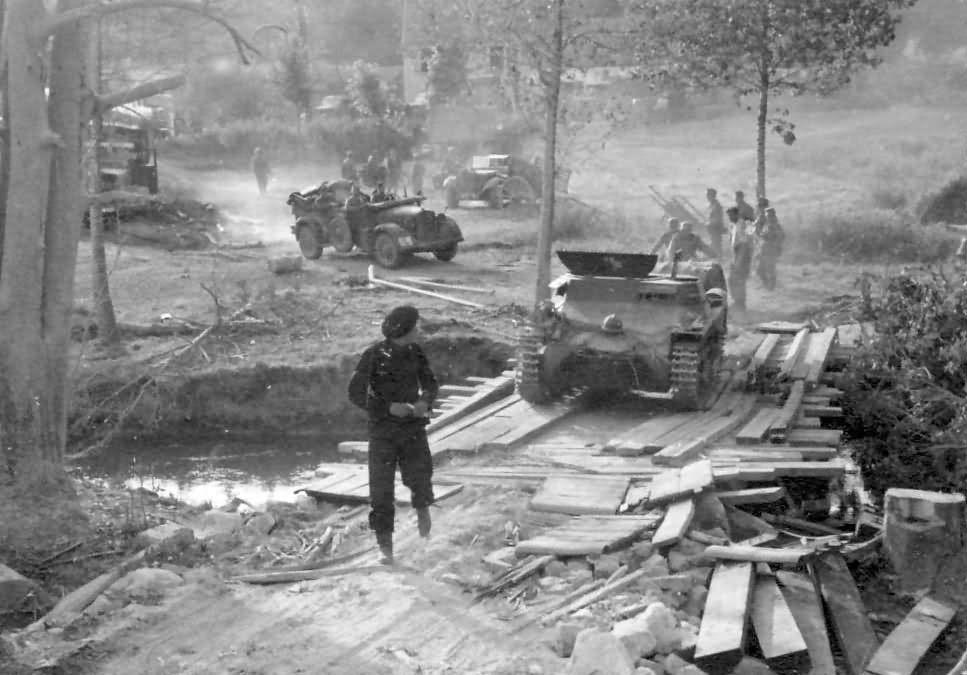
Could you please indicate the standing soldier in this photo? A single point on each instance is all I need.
(394, 383)
(349, 167)
(716, 221)
(746, 212)
(740, 235)
(661, 246)
(771, 238)
(261, 169)
(417, 174)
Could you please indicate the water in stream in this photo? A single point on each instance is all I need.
(257, 471)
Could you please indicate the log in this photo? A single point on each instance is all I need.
(722, 635)
(452, 287)
(921, 530)
(412, 289)
(779, 637)
(779, 556)
(909, 642)
(516, 574)
(16, 590)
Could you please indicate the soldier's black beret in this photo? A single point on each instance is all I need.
(400, 321)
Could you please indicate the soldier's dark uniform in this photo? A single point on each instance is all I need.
(389, 372)
(716, 222)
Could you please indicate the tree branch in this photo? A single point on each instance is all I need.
(106, 102)
(65, 17)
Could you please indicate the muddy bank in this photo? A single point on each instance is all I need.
(258, 399)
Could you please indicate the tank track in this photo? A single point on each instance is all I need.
(527, 374)
(686, 374)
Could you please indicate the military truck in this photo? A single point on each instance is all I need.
(499, 180)
(389, 231)
(613, 326)
(128, 157)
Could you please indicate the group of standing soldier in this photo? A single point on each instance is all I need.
(755, 237)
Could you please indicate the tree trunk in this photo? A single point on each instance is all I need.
(24, 422)
(107, 326)
(552, 91)
(760, 145)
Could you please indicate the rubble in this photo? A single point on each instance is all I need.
(599, 653)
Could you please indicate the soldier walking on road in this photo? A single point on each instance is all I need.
(261, 169)
(394, 383)
(716, 221)
(740, 235)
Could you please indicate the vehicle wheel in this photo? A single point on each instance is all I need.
(517, 192)
(387, 251)
(687, 375)
(310, 243)
(339, 234)
(527, 375)
(452, 197)
(446, 254)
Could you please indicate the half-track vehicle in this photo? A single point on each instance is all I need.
(499, 180)
(613, 326)
(389, 231)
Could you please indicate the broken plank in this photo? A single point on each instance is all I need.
(757, 429)
(851, 626)
(909, 642)
(753, 472)
(588, 535)
(722, 635)
(793, 354)
(817, 355)
(581, 494)
(674, 484)
(806, 606)
(777, 633)
(780, 426)
(758, 554)
(677, 520)
(828, 437)
(765, 495)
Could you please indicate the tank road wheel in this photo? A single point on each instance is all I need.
(310, 243)
(687, 375)
(528, 371)
(446, 254)
(387, 251)
(340, 235)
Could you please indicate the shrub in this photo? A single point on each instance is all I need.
(238, 138)
(906, 405)
(947, 206)
(877, 236)
(363, 137)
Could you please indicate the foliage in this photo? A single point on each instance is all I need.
(869, 236)
(237, 138)
(447, 76)
(906, 402)
(765, 48)
(947, 206)
(293, 77)
(221, 95)
(352, 30)
(371, 96)
(363, 137)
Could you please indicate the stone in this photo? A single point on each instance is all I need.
(580, 576)
(553, 584)
(701, 574)
(710, 514)
(145, 582)
(695, 604)
(674, 599)
(285, 264)
(212, 523)
(643, 550)
(678, 561)
(635, 636)
(501, 560)
(555, 568)
(751, 666)
(261, 524)
(674, 664)
(18, 593)
(567, 632)
(921, 530)
(641, 670)
(576, 565)
(168, 537)
(605, 566)
(655, 566)
(680, 638)
(691, 669)
(653, 666)
(661, 622)
(599, 653)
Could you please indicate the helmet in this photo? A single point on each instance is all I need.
(612, 324)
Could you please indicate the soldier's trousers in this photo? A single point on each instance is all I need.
(739, 273)
(715, 243)
(410, 451)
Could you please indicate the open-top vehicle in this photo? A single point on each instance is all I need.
(614, 326)
(388, 231)
(499, 180)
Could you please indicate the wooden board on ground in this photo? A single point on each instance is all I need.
(816, 356)
(806, 606)
(526, 421)
(850, 624)
(764, 350)
(684, 451)
(765, 495)
(783, 421)
(800, 368)
(748, 453)
(793, 354)
(722, 635)
(588, 535)
(779, 637)
(677, 520)
(581, 494)
(352, 486)
(494, 390)
(674, 484)
(788, 327)
(645, 438)
(822, 411)
(909, 642)
(751, 471)
(827, 437)
(757, 429)
(502, 428)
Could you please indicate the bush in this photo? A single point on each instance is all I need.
(363, 137)
(238, 138)
(947, 206)
(878, 236)
(905, 402)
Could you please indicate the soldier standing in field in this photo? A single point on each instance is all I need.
(746, 212)
(716, 221)
(740, 236)
(261, 169)
(394, 383)
(771, 238)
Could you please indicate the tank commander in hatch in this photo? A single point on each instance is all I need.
(394, 384)
(661, 246)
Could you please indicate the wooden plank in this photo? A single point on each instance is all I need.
(800, 368)
(677, 520)
(527, 422)
(643, 439)
(806, 606)
(722, 456)
(758, 554)
(909, 642)
(722, 634)
(789, 327)
(743, 472)
(674, 484)
(447, 429)
(581, 494)
(822, 411)
(588, 535)
(756, 430)
(745, 521)
(766, 348)
(765, 495)
(778, 635)
(679, 453)
(827, 437)
(800, 452)
(780, 426)
(817, 355)
(487, 395)
(759, 539)
(460, 389)
(696, 477)
(806, 422)
(793, 355)
(850, 624)
(755, 471)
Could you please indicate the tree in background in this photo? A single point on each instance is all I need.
(359, 30)
(370, 96)
(765, 48)
(447, 74)
(293, 76)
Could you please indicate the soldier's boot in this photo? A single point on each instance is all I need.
(385, 542)
(423, 521)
